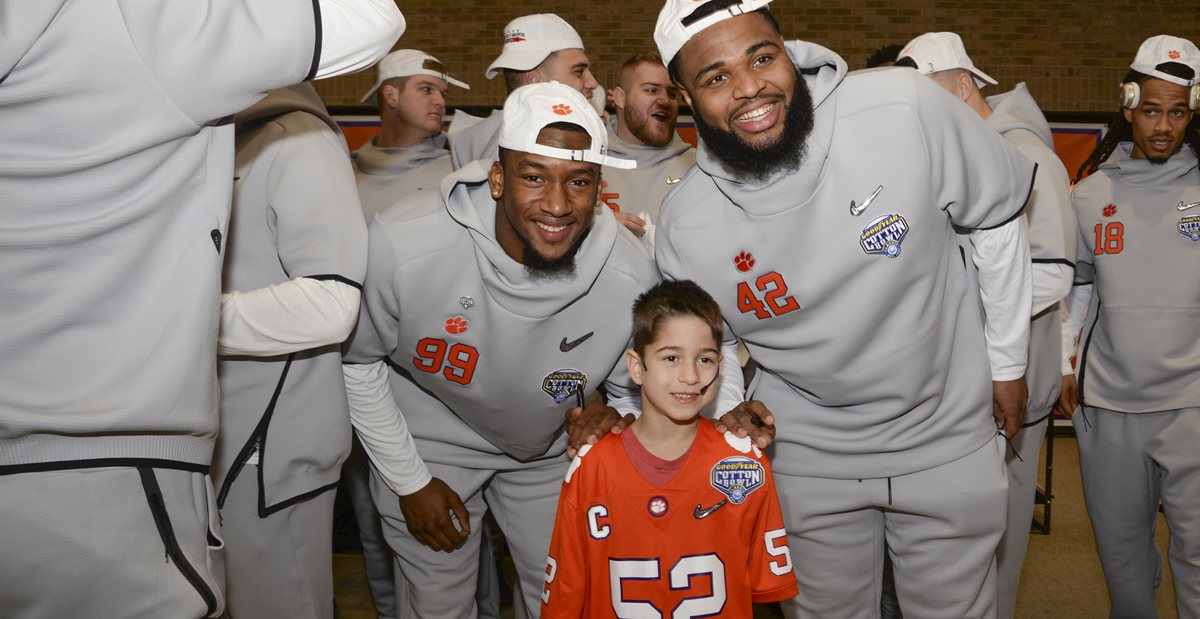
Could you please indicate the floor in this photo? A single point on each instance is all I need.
(1061, 578)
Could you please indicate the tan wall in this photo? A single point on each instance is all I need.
(1070, 53)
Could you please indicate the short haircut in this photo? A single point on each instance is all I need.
(887, 53)
(672, 299)
(564, 126)
(634, 62)
(395, 82)
(706, 9)
(514, 78)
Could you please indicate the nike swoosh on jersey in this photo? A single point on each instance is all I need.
(1183, 207)
(671, 180)
(705, 512)
(857, 210)
(566, 346)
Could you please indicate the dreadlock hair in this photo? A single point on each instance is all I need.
(1119, 129)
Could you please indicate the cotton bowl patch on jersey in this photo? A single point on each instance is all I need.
(560, 384)
(736, 477)
(884, 235)
(1190, 227)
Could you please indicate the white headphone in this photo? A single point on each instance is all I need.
(1131, 95)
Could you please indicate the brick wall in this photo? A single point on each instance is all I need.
(1072, 54)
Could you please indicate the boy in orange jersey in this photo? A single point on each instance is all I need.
(671, 518)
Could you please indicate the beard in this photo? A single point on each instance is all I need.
(759, 163)
(642, 129)
(542, 269)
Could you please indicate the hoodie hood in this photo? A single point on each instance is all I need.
(468, 200)
(1015, 110)
(1143, 173)
(371, 158)
(822, 70)
(22, 25)
(645, 156)
(299, 98)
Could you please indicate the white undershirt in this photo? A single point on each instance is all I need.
(1001, 255)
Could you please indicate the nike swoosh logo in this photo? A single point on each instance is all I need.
(671, 180)
(566, 346)
(1183, 207)
(857, 210)
(702, 513)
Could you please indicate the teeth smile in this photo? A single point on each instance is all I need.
(758, 113)
(550, 228)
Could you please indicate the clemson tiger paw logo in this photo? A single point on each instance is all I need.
(562, 109)
(744, 261)
(456, 325)
(1110, 210)
(1174, 54)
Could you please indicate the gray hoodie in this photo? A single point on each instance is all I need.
(295, 214)
(1051, 232)
(641, 190)
(1140, 351)
(385, 175)
(116, 175)
(453, 311)
(872, 355)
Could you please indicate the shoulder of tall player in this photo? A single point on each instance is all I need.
(879, 88)
(416, 228)
(1092, 194)
(684, 207)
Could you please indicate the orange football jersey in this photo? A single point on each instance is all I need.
(708, 543)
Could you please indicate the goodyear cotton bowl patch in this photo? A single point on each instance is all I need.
(561, 384)
(884, 235)
(1190, 227)
(736, 477)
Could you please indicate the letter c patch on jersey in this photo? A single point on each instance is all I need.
(1190, 227)
(884, 235)
(736, 477)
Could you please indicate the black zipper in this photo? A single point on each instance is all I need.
(1083, 353)
(257, 438)
(162, 521)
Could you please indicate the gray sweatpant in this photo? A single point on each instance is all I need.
(942, 526)
(522, 497)
(109, 542)
(281, 565)
(1128, 462)
(1022, 488)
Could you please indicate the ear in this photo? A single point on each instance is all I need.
(496, 180)
(1128, 114)
(618, 97)
(532, 76)
(634, 362)
(687, 98)
(965, 82)
(391, 95)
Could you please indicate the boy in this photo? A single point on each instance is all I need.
(670, 518)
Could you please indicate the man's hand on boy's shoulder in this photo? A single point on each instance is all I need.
(751, 419)
(587, 425)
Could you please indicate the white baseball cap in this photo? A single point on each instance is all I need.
(1165, 48)
(529, 39)
(407, 62)
(940, 51)
(531, 107)
(670, 33)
